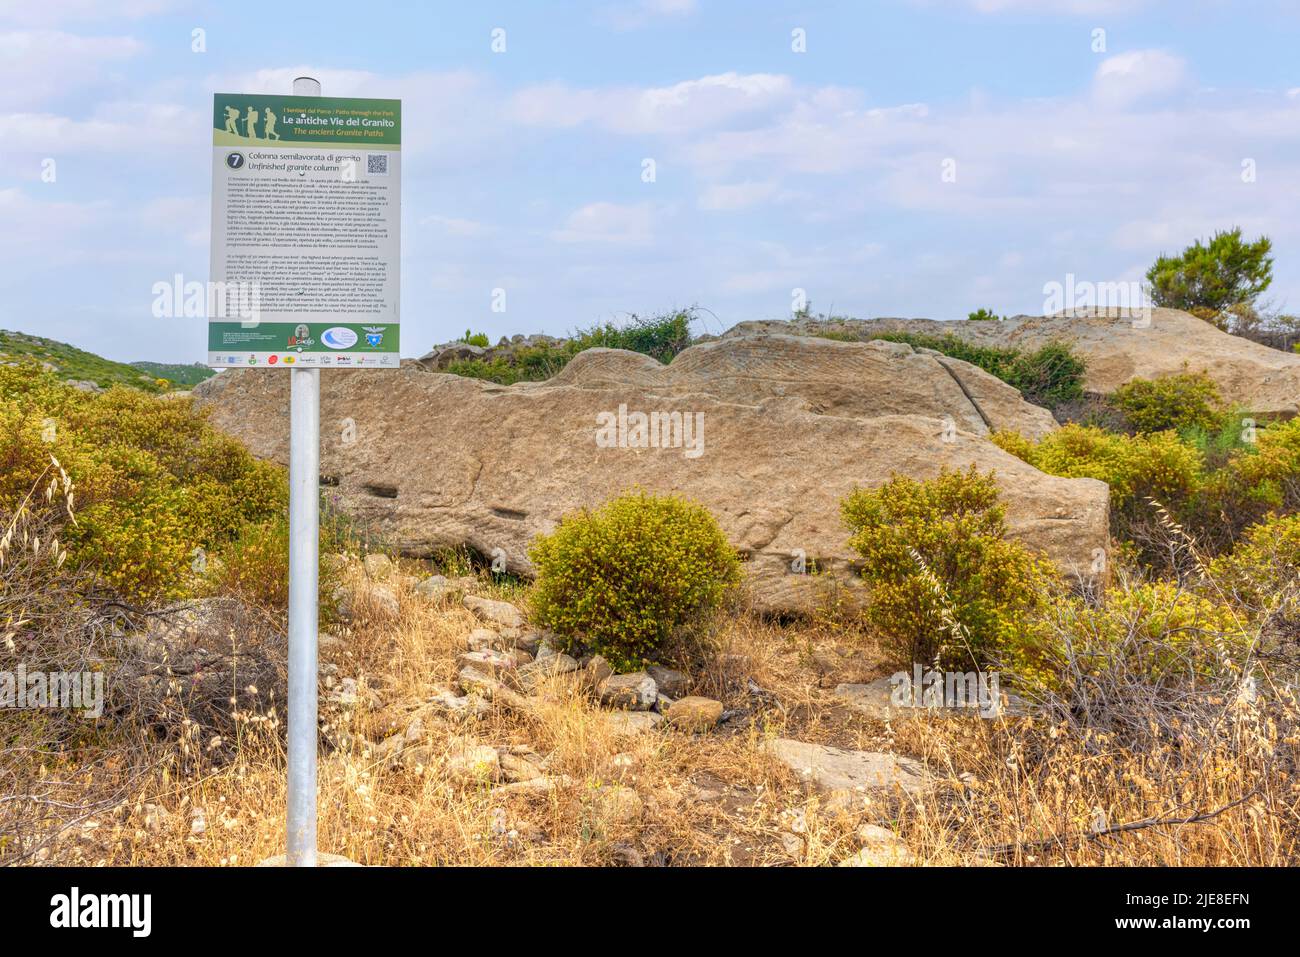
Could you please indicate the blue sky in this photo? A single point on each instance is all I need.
(775, 170)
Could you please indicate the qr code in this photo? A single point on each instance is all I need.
(377, 164)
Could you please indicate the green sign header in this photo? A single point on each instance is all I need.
(249, 119)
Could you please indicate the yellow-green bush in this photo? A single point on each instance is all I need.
(946, 585)
(1263, 567)
(1214, 497)
(1136, 468)
(254, 565)
(626, 578)
(1268, 471)
(1186, 400)
(1156, 630)
(154, 482)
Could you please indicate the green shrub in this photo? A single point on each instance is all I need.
(155, 485)
(946, 585)
(983, 315)
(1214, 484)
(1155, 631)
(662, 337)
(1136, 468)
(629, 577)
(476, 339)
(1263, 567)
(254, 565)
(1189, 400)
(1050, 376)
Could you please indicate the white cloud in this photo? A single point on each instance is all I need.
(39, 65)
(26, 13)
(635, 14)
(115, 127)
(1139, 75)
(703, 103)
(733, 196)
(610, 223)
(1056, 7)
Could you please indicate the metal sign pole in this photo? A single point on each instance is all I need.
(304, 548)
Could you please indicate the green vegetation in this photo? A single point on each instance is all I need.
(476, 339)
(1213, 484)
(984, 315)
(1157, 632)
(74, 365)
(156, 489)
(1210, 280)
(946, 585)
(1185, 401)
(661, 337)
(181, 376)
(633, 577)
(1050, 376)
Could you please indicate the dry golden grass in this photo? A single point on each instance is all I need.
(714, 799)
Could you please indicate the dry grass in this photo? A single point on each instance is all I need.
(1011, 790)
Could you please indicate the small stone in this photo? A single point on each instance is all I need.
(452, 703)
(598, 669)
(415, 730)
(198, 821)
(495, 664)
(670, 681)
(529, 642)
(694, 713)
(881, 847)
(435, 586)
(632, 723)
(831, 770)
(516, 767)
(483, 639)
(534, 673)
(497, 612)
(382, 604)
(377, 565)
(632, 692)
(473, 763)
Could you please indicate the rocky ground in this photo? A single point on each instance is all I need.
(454, 732)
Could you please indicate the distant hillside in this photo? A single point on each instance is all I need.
(185, 376)
(77, 365)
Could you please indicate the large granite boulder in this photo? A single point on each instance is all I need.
(1118, 345)
(770, 434)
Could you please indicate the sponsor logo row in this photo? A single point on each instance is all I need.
(388, 360)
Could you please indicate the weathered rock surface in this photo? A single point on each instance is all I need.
(881, 847)
(693, 713)
(1118, 345)
(829, 769)
(854, 379)
(790, 427)
(631, 692)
